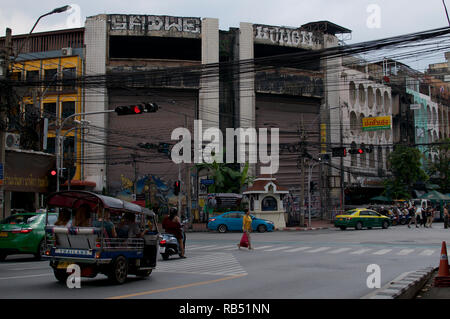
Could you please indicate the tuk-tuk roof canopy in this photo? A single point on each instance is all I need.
(74, 199)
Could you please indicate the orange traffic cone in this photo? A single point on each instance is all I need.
(443, 264)
(443, 277)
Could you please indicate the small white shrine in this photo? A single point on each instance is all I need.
(265, 198)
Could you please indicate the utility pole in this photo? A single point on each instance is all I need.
(5, 104)
(302, 167)
(342, 159)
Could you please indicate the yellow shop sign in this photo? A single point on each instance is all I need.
(376, 123)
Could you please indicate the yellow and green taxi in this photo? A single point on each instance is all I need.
(361, 217)
(23, 233)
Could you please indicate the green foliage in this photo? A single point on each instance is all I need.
(441, 167)
(406, 167)
(226, 179)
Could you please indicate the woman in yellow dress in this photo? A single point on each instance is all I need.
(247, 227)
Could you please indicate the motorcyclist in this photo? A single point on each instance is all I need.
(172, 225)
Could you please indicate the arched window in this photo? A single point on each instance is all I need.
(269, 203)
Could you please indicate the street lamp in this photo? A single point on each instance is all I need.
(57, 10)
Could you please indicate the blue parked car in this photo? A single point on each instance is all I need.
(233, 221)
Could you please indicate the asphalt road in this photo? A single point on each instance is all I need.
(284, 265)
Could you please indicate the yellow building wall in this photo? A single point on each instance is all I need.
(57, 97)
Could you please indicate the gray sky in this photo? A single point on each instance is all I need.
(396, 17)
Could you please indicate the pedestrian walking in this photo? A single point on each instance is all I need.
(446, 216)
(424, 217)
(431, 217)
(246, 227)
(414, 213)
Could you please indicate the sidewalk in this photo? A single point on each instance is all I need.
(315, 225)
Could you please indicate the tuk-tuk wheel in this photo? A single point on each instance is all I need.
(61, 275)
(143, 273)
(119, 270)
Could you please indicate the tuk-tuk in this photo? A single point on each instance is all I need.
(86, 239)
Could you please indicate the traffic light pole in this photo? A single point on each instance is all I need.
(58, 137)
(310, 168)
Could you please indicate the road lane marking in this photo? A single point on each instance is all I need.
(296, 249)
(382, 252)
(405, 252)
(22, 277)
(155, 291)
(317, 250)
(361, 251)
(277, 248)
(337, 251)
(427, 252)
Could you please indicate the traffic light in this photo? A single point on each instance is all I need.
(356, 151)
(136, 109)
(51, 177)
(176, 187)
(338, 152)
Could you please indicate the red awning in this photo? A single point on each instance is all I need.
(79, 183)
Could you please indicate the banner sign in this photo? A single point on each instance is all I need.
(376, 123)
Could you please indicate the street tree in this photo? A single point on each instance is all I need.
(406, 167)
(440, 167)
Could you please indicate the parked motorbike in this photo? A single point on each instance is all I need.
(168, 245)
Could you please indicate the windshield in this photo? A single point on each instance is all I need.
(20, 219)
(351, 212)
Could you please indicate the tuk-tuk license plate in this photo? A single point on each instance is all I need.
(3, 234)
(63, 265)
(162, 250)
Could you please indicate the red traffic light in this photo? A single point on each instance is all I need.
(53, 173)
(360, 151)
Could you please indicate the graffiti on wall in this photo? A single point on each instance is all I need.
(152, 192)
(286, 36)
(146, 23)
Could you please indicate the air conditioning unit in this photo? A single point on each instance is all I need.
(12, 141)
(66, 51)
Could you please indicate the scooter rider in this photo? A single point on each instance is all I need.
(172, 225)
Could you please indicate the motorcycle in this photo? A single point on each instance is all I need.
(168, 245)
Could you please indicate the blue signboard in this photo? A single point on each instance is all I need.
(207, 181)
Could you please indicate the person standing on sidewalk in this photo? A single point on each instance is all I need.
(247, 227)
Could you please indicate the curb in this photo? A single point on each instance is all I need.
(302, 228)
(405, 286)
(284, 229)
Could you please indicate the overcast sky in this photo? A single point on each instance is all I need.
(368, 19)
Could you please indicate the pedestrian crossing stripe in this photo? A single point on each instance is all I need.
(382, 252)
(318, 250)
(308, 249)
(277, 248)
(340, 250)
(297, 249)
(210, 264)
